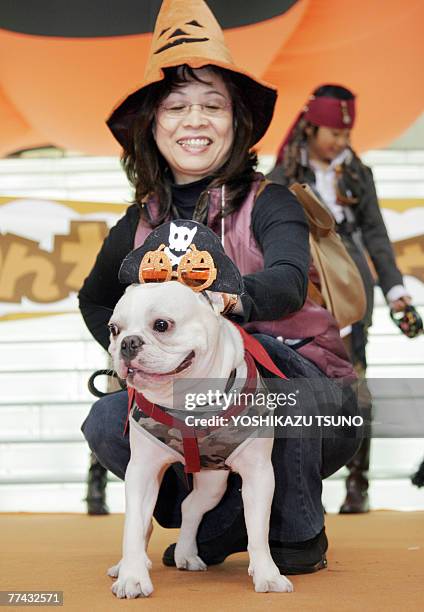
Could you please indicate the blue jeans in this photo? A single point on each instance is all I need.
(300, 463)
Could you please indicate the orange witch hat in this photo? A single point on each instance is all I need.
(186, 32)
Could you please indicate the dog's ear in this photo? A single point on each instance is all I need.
(216, 301)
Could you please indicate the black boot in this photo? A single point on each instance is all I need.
(356, 500)
(215, 551)
(96, 488)
(290, 558)
(418, 478)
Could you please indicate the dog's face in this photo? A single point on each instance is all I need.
(160, 332)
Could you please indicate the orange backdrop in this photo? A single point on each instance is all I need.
(60, 90)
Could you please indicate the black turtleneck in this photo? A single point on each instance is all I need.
(280, 230)
(184, 197)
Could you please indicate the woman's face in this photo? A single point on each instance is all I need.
(327, 143)
(195, 141)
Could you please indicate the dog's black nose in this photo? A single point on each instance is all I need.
(130, 346)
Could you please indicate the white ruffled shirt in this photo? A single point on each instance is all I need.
(325, 183)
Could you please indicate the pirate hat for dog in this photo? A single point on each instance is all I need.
(186, 251)
(186, 32)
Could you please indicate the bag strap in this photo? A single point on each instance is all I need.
(319, 218)
(321, 223)
(264, 183)
(258, 352)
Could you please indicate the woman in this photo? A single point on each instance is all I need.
(187, 134)
(317, 151)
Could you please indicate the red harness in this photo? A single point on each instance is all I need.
(253, 351)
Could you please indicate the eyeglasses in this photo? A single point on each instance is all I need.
(217, 108)
(196, 269)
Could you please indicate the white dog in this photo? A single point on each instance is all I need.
(160, 333)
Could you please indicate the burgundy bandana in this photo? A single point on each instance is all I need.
(331, 112)
(323, 111)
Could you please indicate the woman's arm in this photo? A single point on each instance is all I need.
(101, 289)
(281, 231)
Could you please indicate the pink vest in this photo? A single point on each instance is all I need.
(326, 349)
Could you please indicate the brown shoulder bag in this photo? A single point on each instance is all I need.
(342, 291)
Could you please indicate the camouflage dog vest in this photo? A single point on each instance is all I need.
(214, 443)
(219, 434)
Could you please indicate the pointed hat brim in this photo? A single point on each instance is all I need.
(186, 32)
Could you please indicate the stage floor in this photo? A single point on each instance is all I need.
(375, 562)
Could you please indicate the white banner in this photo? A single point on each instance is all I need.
(47, 248)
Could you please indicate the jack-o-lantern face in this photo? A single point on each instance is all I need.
(188, 32)
(182, 23)
(155, 267)
(196, 269)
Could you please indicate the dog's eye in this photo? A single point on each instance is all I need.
(160, 325)
(114, 329)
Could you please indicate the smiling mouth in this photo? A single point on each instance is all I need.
(186, 362)
(194, 143)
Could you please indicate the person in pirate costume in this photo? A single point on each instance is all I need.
(187, 132)
(317, 151)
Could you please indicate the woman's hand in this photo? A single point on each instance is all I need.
(232, 304)
(225, 303)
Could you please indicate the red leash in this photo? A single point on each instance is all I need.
(259, 354)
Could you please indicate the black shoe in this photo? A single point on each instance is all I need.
(290, 558)
(301, 557)
(215, 551)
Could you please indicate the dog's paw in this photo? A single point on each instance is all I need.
(267, 578)
(130, 587)
(272, 584)
(186, 558)
(113, 571)
(192, 563)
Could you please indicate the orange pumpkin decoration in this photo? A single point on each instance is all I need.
(196, 269)
(155, 267)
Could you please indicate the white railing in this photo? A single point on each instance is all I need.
(45, 362)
